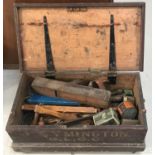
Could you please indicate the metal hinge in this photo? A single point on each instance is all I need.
(50, 72)
(112, 75)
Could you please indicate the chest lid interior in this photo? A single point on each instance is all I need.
(80, 36)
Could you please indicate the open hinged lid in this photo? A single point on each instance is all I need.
(80, 36)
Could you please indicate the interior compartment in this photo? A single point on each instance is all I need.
(128, 81)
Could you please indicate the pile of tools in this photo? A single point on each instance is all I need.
(75, 103)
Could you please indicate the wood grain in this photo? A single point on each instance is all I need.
(10, 52)
(83, 94)
(62, 108)
(80, 40)
(63, 116)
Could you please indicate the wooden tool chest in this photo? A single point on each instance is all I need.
(80, 38)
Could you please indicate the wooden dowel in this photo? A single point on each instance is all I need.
(35, 119)
(28, 107)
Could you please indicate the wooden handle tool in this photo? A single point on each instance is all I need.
(63, 116)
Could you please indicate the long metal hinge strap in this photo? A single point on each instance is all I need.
(112, 56)
(49, 56)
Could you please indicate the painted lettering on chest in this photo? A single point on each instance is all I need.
(86, 136)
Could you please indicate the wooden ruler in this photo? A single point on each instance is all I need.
(69, 109)
(63, 116)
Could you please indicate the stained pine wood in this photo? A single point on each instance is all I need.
(80, 40)
(10, 50)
